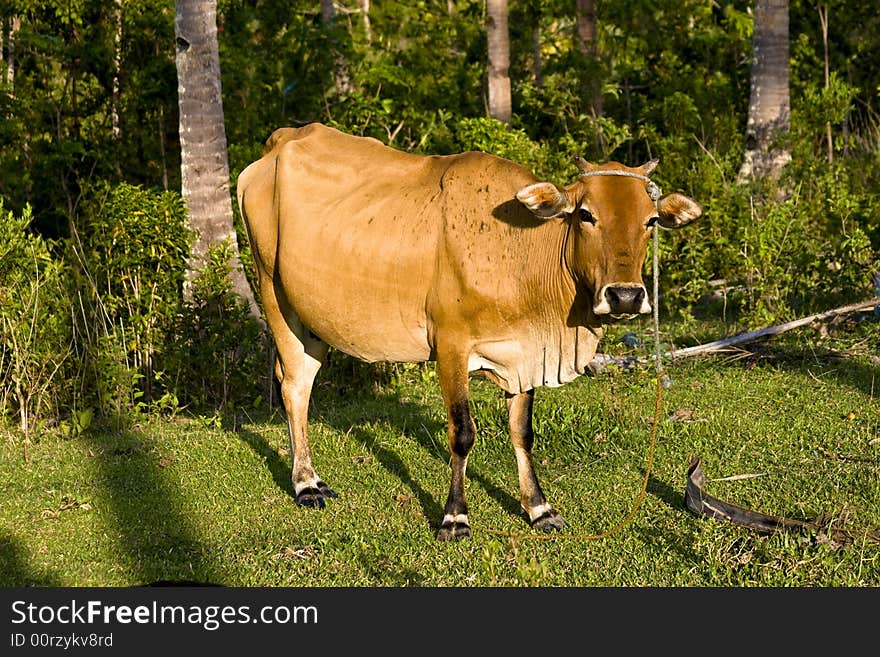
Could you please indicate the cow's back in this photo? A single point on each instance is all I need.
(347, 228)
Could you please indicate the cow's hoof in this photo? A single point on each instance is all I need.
(311, 498)
(326, 491)
(550, 521)
(314, 496)
(453, 531)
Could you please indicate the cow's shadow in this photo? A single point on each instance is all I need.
(350, 410)
(514, 213)
(16, 568)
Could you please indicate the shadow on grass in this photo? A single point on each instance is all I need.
(403, 415)
(508, 502)
(674, 498)
(278, 466)
(389, 459)
(15, 569)
(666, 493)
(846, 370)
(156, 538)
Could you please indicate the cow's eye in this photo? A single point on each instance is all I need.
(586, 216)
(652, 221)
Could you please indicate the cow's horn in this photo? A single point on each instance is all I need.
(582, 163)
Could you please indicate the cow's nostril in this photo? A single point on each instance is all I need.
(625, 299)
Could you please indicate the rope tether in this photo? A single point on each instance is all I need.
(650, 186)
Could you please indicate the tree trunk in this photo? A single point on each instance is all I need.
(585, 21)
(328, 12)
(586, 26)
(162, 157)
(823, 20)
(117, 65)
(537, 59)
(204, 163)
(767, 150)
(499, 60)
(342, 77)
(365, 10)
(14, 27)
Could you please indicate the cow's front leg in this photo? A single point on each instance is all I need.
(462, 434)
(541, 515)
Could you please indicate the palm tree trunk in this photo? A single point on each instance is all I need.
(537, 59)
(823, 20)
(365, 10)
(498, 36)
(117, 65)
(342, 76)
(767, 152)
(585, 21)
(14, 27)
(204, 161)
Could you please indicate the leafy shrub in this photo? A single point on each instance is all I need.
(149, 343)
(35, 331)
(215, 356)
(496, 137)
(130, 247)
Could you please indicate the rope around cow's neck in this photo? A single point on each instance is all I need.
(654, 193)
(650, 186)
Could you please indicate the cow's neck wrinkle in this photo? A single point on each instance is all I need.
(554, 284)
(559, 338)
(569, 283)
(551, 335)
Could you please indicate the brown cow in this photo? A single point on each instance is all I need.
(466, 260)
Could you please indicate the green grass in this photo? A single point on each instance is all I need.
(191, 498)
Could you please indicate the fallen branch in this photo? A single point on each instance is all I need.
(751, 336)
(601, 360)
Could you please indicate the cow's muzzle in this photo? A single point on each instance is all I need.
(622, 301)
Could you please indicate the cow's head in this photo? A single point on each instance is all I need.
(611, 211)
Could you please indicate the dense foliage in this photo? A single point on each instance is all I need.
(90, 162)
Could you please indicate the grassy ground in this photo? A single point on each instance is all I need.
(193, 498)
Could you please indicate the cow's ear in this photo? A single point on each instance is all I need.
(677, 210)
(545, 200)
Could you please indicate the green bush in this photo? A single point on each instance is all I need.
(130, 247)
(151, 343)
(547, 162)
(216, 354)
(36, 342)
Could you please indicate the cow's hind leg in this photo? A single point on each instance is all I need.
(541, 515)
(300, 355)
